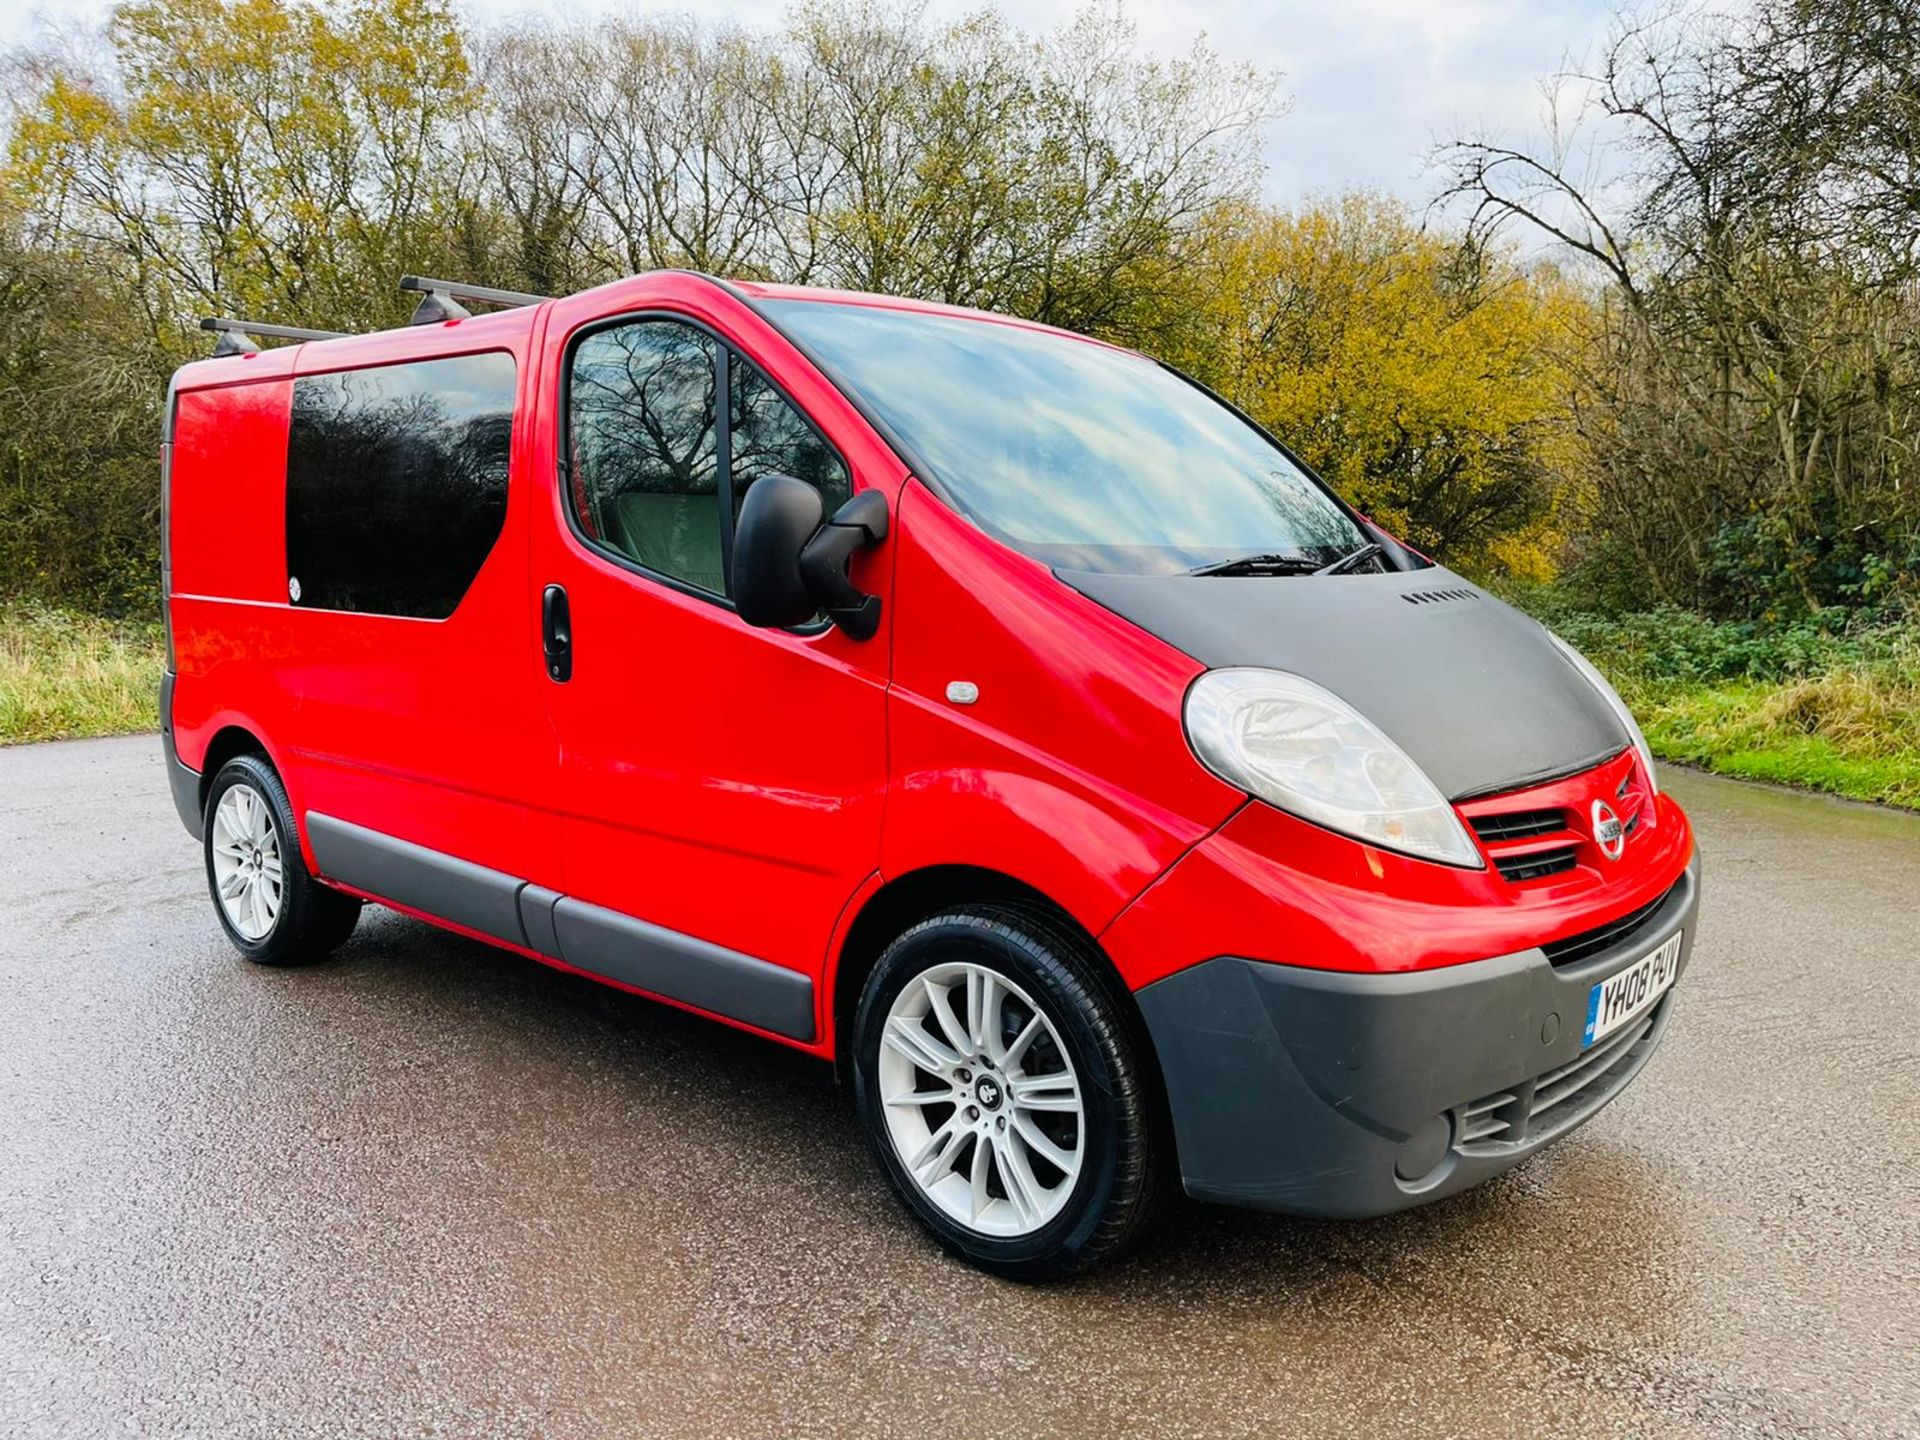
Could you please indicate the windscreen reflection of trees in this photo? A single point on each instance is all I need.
(1083, 456)
(397, 483)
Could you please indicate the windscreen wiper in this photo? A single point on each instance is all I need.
(1346, 562)
(1261, 564)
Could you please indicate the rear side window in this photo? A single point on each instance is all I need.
(397, 483)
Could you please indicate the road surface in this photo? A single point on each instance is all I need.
(434, 1189)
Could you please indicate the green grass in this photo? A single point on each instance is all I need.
(64, 675)
(1834, 708)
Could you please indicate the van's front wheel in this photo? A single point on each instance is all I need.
(271, 907)
(1005, 1091)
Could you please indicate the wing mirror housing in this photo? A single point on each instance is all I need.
(789, 566)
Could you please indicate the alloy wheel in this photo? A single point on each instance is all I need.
(982, 1103)
(247, 874)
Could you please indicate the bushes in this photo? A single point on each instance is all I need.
(1743, 201)
(1831, 709)
(80, 401)
(1679, 647)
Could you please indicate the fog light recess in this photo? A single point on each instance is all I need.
(1425, 1151)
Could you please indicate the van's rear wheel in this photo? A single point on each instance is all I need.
(271, 907)
(1006, 1093)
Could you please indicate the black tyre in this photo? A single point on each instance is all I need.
(1008, 1091)
(272, 909)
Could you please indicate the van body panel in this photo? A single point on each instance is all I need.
(228, 479)
(427, 730)
(1057, 773)
(431, 730)
(230, 655)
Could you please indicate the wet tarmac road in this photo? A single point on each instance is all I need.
(433, 1189)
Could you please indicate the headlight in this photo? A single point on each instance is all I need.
(1618, 706)
(1306, 751)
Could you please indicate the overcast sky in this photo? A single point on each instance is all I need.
(1371, 82)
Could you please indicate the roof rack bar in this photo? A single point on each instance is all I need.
(261, 329)
(455, 290)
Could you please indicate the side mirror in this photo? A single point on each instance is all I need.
(861, 522)
(787, 565)
(778, 517)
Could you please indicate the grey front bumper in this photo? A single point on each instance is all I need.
(1326, 1093)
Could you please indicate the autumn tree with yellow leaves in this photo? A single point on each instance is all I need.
(1429, 380)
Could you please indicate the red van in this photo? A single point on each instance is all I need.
(989, 710)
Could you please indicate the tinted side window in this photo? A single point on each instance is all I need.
(644, 448)
(770, 437)
(397, 483)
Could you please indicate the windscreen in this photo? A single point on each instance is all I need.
(1086, 457)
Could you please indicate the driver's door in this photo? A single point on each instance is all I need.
(720, 783)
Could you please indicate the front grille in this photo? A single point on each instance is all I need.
(1519, 824)
(1538, 864)
(1558, 1099)
(1575, 948)
(1543, 832)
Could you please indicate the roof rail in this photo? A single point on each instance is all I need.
(233, 334)
(440, 299)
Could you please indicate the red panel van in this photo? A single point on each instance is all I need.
(984, 708)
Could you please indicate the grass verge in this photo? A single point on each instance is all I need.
(64, 675)
(1826, 709)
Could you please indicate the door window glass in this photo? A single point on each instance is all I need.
(657, 476)
(644, 448)
(770, 437)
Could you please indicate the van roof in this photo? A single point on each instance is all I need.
(413, 342)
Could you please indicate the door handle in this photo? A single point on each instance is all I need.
(556, 633)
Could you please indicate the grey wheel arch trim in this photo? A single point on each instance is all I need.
(182, 780)
(588, 937)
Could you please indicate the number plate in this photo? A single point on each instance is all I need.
(1630, 993)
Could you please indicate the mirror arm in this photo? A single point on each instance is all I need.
(861, 522)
